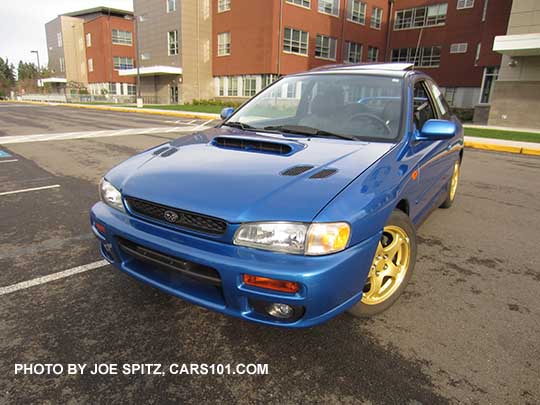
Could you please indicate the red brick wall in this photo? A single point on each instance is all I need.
(465, 25)
(255, 33)
(102, 50)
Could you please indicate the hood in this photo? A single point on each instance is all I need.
(245, 176)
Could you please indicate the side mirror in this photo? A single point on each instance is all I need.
(434, 130)
(226, 113)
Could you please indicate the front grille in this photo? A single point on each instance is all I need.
(186, 268)
(174, 216)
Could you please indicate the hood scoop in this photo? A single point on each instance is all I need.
(257, 145)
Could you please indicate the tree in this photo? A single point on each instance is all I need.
(7, 77)
(27, 76)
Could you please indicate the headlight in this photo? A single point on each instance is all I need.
(291, 237)
(110, 195)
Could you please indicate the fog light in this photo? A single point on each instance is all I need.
(282, 311)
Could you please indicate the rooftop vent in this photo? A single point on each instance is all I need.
(252, 145)
(296, 170)
(324, 173)
(160, 150)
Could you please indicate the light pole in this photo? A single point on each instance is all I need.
(138, 61)
(38, 66)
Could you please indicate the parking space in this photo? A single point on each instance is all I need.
(466, 329)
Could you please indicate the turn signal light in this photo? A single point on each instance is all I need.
(100, 228)
(271, 284)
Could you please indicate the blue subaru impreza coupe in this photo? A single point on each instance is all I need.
(300, 205)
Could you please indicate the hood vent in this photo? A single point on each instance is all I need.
(296, 170)
(324, 173)
(169, 152)
(160, 150)
(252, 145)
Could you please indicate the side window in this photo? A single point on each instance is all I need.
(423, 109)
(442, 105)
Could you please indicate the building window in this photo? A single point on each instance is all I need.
(120, 37)
(232, 90)
(490, 76)
(325, 47)
(357, 11)
(329, 7)
(88, 40)
(477, 56)
(372, 54)
(171, 6)
(224, 44)
(421, 57)
(436, 14)
(62, 62)
(131, 90)
(421, 17)
(59, 39)
(112, 88)
(484, 10)
(295, 41)
(353, 52)
(250, 86)
(267, 80)
(221, 91)
(90, 65)
(376, 18)
(465, 4)
(121, 63)
(172, 41)
(223, 5)
(459, 48)
(303, 3)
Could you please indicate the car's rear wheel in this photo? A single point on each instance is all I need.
(452, 186)
(391, 269)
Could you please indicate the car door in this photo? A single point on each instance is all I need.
(432, 165)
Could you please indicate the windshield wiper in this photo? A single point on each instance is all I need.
(241, 125)
(310, 131)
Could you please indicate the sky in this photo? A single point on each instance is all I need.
(23, 24)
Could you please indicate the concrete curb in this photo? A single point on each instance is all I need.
(149, 111)
(502, 148)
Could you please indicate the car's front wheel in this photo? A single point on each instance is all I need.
(391, 269)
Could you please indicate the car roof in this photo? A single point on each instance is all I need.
(376, 69)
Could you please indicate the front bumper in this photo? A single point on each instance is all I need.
(329, 284)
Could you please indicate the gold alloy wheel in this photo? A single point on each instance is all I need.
(454, 183)
(390, 265)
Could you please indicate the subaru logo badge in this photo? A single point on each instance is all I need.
(170, 216)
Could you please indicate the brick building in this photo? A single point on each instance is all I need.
(256, 41)
(88, 48)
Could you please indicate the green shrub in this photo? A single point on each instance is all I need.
(464, 114)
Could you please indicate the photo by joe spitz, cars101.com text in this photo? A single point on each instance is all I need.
(292, 210)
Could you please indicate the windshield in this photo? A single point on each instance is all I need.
(350, 106)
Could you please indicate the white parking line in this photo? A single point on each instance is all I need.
(10, 160)
(51, 277)
(95, 134)
(25, 190)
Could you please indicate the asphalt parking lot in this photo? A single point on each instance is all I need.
(466, 330)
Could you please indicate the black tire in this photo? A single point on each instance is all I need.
(363, 310)
(449, 201)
